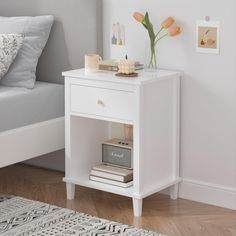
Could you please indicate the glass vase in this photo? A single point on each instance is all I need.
(151, 57)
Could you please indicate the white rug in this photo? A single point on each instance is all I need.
(21, 217)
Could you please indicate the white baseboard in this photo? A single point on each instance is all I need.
(208, 193)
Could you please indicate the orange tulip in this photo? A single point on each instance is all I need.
(174, 31)
(168, 22)
(139, 17)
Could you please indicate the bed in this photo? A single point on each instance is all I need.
(44, 102)
(39, 127)
(31, 121)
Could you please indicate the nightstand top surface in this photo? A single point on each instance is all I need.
(109, 76)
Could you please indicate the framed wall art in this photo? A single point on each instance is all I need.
(208, 37)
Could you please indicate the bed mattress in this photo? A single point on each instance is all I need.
(21, 107)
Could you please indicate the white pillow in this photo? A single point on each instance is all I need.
(36, 31)
(10, 45)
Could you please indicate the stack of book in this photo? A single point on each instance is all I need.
(112, 65)
(112, 175)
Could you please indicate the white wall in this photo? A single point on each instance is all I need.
(208, 117)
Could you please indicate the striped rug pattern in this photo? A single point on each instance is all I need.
(24, 217)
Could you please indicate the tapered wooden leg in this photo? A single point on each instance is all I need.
(70, 190)
(174, 192)
(137, 207)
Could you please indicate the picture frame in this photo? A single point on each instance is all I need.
(118, 34)
(208, 37)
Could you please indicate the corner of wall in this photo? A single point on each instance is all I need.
(100, 27)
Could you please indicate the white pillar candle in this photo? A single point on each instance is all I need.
(126, 67)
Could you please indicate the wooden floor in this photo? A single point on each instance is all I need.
(160, 214)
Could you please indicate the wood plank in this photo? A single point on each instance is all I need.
(160, 213)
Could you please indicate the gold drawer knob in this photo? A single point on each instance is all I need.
(100, 102)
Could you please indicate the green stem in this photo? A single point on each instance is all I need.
(163, 36)
(153, 62)
(158, 32)
(155, 59)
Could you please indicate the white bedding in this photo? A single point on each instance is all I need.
(20, 107)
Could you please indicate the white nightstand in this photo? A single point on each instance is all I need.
(150, 103)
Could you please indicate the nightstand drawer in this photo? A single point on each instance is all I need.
(103, 102)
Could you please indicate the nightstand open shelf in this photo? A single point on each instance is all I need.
(85, 182)
(150, 103)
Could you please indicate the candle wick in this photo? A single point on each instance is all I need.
(126, 57)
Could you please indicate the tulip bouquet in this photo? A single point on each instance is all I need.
(165, 31)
